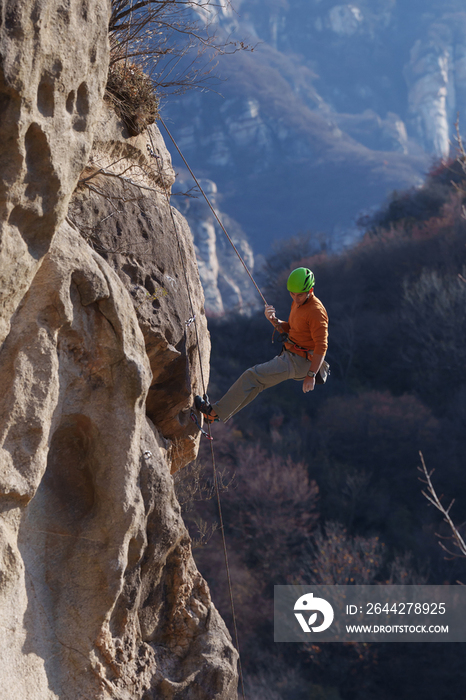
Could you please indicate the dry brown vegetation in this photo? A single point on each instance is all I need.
(132, 93)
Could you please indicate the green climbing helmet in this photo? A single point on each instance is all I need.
(300, 280)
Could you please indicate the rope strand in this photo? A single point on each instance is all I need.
(213, 211)
(204, 388)
(183, 265)
(227, 567)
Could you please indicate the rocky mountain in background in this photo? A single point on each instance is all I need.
(227, 287)
(337, 106)
(99, 594)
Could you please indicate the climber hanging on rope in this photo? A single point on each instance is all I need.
(302, 357)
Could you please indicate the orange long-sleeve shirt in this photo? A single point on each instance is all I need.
(307, 326)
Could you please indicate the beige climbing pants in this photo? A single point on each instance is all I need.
(256, 379)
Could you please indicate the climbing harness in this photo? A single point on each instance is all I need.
(285, 338)
(324, 369)
(192, 321)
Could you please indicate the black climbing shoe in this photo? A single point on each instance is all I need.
(205, 408)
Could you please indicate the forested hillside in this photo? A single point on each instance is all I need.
(325, 485)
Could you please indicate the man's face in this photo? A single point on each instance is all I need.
(299, 298)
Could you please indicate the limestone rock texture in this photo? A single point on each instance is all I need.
(122, 209)
(53, 68)
(100, 357)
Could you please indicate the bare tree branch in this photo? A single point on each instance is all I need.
(432, 497)
(155, 31)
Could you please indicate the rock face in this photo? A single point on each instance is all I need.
(436, 77)
(122, 210)
(99, 594)
(53, 67)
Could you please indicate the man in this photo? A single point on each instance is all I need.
(300, 359)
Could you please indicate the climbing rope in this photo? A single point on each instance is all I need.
(213, 211)
(220, 223)
(227, 567)
(193, 321)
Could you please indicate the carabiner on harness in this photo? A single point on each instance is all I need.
(285, 338)
(282, 337)
(204, 432)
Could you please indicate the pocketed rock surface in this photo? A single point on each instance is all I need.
(99, 361)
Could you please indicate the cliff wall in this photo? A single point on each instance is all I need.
(99, 594)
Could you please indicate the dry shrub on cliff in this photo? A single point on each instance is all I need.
(132, 93)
